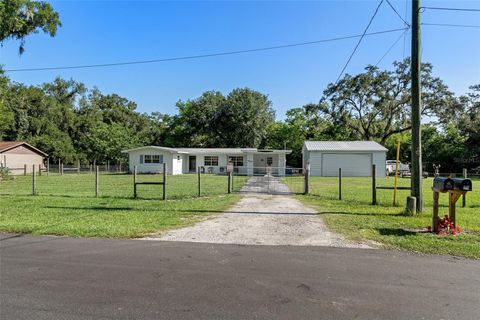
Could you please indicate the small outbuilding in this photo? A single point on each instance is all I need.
(16, 154)
(356, 158)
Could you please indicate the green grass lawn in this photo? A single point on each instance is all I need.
(66, 205)
(103, 217)
(355, 217)
(119, 185)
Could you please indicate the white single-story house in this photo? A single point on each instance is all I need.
(15, 155)
(248, 161)
(354, 157)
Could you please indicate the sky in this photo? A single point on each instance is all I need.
(96, 32)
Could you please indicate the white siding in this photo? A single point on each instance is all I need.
(379, 159)
(178, 163)
(352, 164)
(134, 160)
(315, 161)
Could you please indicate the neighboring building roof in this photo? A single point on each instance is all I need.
(9, 145)
(209, 150)
(343, 146)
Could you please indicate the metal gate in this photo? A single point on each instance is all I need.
(271, 180)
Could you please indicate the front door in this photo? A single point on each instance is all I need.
(192, 163)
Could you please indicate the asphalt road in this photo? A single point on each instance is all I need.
(68, 278)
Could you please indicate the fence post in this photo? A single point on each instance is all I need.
(229, 184)
(306, 183)
(135, 182)
(374, 185)
(108, 166)
(34, 181)
(25, 169)
(48, 166)
(78, 166)
(164, 197)
(39, 169)
(339, 183)
(199, 182)
(97, 181)
(464, 198)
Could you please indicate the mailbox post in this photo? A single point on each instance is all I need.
(455, 187)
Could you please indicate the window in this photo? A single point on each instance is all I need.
(237, 161)
(269, 161)
(155, 158)
(211, 160)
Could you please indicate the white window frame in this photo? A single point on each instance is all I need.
(152, 158)
(236, 160)
(211, 161)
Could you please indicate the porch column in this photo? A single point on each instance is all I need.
(249, 164)
(281, 164)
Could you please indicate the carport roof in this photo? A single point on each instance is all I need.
(343, 146)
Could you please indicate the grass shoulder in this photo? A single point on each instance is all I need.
(104, 216)
(384, 223)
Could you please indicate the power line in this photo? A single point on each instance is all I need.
(405, 34)
(451, 25)
(359, 41)
(204, 55)
(398, 14)
(391, 47)
(451, 9)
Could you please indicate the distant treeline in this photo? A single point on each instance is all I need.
(71, 122)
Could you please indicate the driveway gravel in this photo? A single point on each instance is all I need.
(261, 219)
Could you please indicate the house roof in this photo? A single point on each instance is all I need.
(8, 145)
(154, 147)
(217, 150)
(343, 146)
(208, 150)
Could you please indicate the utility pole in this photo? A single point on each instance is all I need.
(416, 107)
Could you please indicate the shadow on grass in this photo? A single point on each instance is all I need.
(95, 208)
(171, 197)
(397, 232)
(101, 208)
(376, 214)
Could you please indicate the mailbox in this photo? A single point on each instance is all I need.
(443, 184)
(462, 184)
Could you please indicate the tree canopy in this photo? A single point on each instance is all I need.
(19, 18)
(376, 104)
(72, 122)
